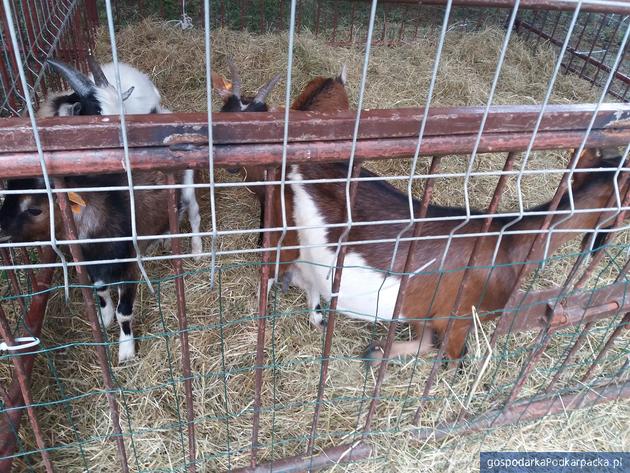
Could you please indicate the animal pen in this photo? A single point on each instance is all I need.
(477, 104)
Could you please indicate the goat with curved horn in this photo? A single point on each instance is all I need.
(97, 72)
(78, 81)
(265, 89)
(236, 79)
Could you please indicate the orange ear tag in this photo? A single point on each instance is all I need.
(76, 202)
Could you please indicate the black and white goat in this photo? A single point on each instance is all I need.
(94, 94)
(97, 215)
(24, 217)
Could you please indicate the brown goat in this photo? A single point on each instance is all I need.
(365, 292)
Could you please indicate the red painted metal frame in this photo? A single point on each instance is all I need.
(179, 141)
(13, 400)
(182, 320)
(90, 309)
(45, 29)
(529, 409)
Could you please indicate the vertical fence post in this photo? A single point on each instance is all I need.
(90, 309)
(182, 320)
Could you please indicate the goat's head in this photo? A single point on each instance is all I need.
(230, 92)
(25, 217)
(92, 96)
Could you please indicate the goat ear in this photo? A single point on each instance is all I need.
(76, 202)
(222, 86)
(127, 93)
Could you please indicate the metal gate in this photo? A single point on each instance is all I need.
(574, 351)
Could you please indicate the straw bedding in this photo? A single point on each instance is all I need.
(222, 320)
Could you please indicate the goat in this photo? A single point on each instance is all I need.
(25, 217)
(366, 291)
(93, 94)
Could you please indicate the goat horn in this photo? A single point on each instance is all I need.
(78, 81)
(97, 72)
(265, 89)
(236, 79)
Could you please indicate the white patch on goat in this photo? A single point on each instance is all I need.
(145, 96)
(364, 293)
(126, 343)
(25, 203)
(108, 99)
(107, 312)
(189, 199)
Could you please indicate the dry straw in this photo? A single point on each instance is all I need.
(222, 321)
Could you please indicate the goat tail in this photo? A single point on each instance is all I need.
(343, 75)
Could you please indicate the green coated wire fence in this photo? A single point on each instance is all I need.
(70, 400)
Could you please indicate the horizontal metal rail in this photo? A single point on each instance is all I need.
(179, 129)
(529, 409)
(180, 141)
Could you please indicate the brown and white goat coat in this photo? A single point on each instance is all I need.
(365, 291)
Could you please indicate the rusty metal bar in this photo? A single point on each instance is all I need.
(90, 309)
(587, 58)
(33, 322)
(182, 321)
(181, 129)
(579, 39)
(603, 60)
(623, 325)
(529, 409)
(538, 307)
(329, 457)
(539, 346)
(593, 44)
(16, 165)
(332, 314)
(270, 175)
(391, 332)
(474, 256)
(25, 388)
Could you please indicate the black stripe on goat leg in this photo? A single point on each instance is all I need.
(124, 316)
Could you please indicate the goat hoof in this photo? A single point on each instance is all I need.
(373, 354)
(197, 249)
(126, 352)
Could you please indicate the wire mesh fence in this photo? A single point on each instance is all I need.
(477, 238)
